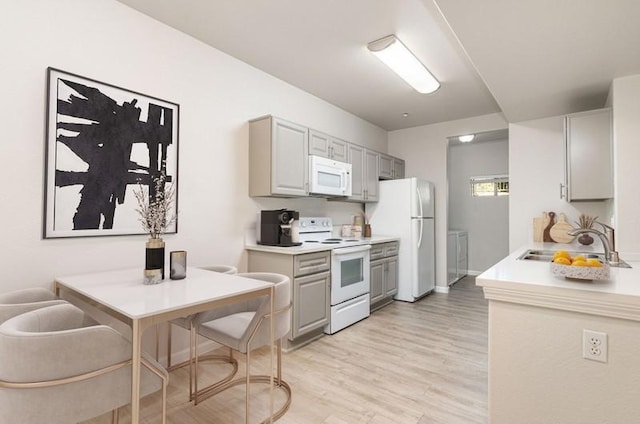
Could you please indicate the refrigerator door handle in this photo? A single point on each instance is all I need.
(421, 211)
(421, 232)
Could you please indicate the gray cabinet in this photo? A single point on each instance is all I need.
(310, 284)
(391, 168)
(364, 173)
(321, 144)
(383, 273)
(588, 156)
(278, 158)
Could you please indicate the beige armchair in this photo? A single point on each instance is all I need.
(243, 327)
(20, 301)
(57, 365)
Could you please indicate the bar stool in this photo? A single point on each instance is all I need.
(245, 326)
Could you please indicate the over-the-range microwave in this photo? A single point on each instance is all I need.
(329, 177)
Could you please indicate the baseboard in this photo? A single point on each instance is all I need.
(440, 289)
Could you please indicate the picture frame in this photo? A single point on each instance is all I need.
(102, 143)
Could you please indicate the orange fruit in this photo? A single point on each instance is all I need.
(579, 262)
(593, 262)
(562, 261)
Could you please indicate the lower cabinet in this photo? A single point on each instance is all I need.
(384, 273)
(310, 290)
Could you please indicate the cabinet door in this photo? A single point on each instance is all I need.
(371, 176)
(398, 168)
(589, 169)
(319, 144)
(463, 242)
(356, 159)
(338, 149)
(289, 161)
(391, 274)
(376, 277)
(386, 167)
(311, 299)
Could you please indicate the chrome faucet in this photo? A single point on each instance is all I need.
(607, 239)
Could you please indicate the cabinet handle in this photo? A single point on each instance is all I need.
(562, 196)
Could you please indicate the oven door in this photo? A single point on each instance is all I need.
(349, 273)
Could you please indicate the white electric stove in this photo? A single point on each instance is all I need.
(350, 283)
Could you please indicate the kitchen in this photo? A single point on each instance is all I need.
(215, 217)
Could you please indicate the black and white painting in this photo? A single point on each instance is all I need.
(102, 143)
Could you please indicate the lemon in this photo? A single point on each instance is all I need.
(562, 261)
(579, 262)
(593, 262)
(579, 258)
(561, 254)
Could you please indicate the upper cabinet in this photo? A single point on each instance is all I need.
(324, 145)
(278, 158)
(390, 168)
(364, 173)
(588, 156)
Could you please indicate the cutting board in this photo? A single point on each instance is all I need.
(539, 224)
(559, 230)
(546, 233)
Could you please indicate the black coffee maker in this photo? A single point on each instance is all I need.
(275, 228)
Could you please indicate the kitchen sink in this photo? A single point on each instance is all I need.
(547, 256)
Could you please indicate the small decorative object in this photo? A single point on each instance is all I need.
(178, 264)
(367, 230)
(346, 231)
(585, 222)
(154, 210)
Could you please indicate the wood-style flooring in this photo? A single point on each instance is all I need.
(408, 363)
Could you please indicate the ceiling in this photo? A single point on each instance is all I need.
(538, 57)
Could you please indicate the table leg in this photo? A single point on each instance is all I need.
(136, 343)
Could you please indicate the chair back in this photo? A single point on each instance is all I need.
(20, 301)
(281, 307)
(223, 269)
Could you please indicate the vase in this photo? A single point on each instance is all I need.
(367, 231)
(585, 239)
(154, 260)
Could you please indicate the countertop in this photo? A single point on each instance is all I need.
(250, 244)
(531, 282)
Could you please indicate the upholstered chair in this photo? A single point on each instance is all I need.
(185, 322)
(245, 326)
(20, 301)
(58, 366)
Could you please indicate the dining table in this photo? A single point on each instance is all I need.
(122, 295)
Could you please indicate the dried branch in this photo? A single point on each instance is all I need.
(154, 213)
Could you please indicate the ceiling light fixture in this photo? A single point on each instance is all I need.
(399, 58)
(466, 138)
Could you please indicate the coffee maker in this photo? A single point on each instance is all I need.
(277, 228)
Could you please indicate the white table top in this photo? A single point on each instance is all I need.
(123, 291)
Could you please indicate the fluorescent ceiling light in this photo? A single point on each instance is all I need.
(466, 138)
(399, 58)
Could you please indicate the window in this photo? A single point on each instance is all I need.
(492, 185)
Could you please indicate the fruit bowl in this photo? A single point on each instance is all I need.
(581, 272)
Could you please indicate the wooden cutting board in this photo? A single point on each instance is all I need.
(539, 224)
(546, 233)
(559, 231)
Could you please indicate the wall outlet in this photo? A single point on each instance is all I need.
(594, 345)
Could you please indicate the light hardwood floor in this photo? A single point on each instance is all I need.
(408, 363)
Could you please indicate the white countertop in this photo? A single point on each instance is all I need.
(315, 247)
(531, 282)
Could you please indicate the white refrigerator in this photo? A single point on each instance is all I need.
(406, 209)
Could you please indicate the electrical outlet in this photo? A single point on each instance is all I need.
(594, 345)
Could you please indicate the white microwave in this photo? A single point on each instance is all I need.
(329, 177)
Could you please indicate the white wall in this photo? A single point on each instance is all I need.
(536, 170)
(217, 94)
(486, 219)
(424, 149)
(626, 127)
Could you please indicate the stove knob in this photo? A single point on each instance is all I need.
(303, 224)
(325, 223)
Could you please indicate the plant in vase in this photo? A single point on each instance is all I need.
(585, 222)
(154, 208)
